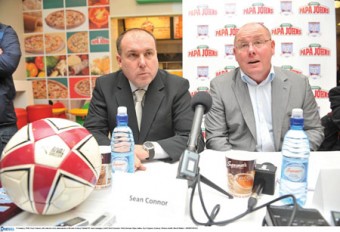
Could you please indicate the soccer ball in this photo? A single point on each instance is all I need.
(50, 166)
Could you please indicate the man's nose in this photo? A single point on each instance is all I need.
(141, 60)
(251, 48)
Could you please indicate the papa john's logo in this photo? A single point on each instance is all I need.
(100, 40)
(314, 8)
(258, 8)
(319, 93)
(315, 50)
(286, 29)
(228, 30)
(203, 51)
(202, 10)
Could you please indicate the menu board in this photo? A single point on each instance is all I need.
(158, 26)
(66, 45)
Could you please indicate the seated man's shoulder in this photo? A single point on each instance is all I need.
(224, 78)
(108, 77)
(291, 75)
(172, 78)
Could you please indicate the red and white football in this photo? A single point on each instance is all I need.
(50, 166)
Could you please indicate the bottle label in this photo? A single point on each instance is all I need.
(120, 164)
(295, 172)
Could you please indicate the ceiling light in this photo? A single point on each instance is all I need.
(337, 4)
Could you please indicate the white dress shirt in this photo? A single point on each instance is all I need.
(260, 95)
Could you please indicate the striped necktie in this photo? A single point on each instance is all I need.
(139, 94)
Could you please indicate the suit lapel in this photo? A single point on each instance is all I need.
(280, 96)
(242, 95)
(153, 99)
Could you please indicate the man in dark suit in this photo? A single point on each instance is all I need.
(166, 115)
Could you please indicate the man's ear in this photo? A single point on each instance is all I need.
(119, 60)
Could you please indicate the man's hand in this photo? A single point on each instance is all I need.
(140, 152)
(139, 165)
(1, 51)
(140, 155)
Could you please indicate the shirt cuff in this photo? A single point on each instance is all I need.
(159, 151)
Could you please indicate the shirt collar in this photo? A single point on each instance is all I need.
(134, 88)
(250, 81)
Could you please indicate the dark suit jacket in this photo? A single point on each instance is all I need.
(167, 114)
(9, 60)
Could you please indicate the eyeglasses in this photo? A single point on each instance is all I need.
(244, 46)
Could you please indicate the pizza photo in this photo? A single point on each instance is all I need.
(34, 44)
(39, 89)
(82, 87)
(78, 42)
(54, 43)
(56, 19)
(56, 90)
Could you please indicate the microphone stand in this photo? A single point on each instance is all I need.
(188, 169)
(188, 165)
(214, 186)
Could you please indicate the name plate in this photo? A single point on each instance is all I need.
(149, 200)
(326, 194)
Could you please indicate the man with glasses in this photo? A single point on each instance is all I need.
(252, 104)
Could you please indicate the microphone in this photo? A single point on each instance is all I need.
(188, 166)
(201, 103)
(264, 182)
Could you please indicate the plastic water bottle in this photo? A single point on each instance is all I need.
(122, 144)
(295, 157)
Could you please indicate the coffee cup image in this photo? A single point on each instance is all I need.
(243, 183)
(240, 167)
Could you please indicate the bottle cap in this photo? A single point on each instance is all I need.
(122, 110)
(297, 113)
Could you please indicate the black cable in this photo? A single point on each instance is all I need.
(252, 201)
(210, 219)
(214, 212)
(292, 217)
(216, 209)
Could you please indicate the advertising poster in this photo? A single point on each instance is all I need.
(66, 47)
(304, 33)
